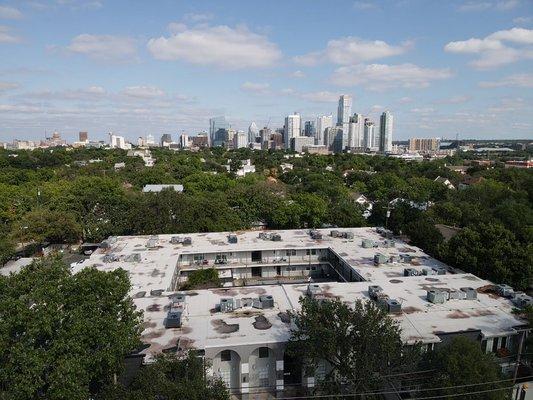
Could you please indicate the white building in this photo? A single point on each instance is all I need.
(385, 132)
(323, 122)
(356, 131)
(240, 140)
(293, 128)
(184, 141)
(298, 143)
(242, 328)
(369, 135)
(253, 133)
(118, 142)
(246, 168)
(344, 110)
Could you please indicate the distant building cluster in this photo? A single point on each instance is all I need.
(351, 132)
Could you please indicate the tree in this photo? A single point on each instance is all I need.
(7, 250)
(63, 336)
(43, 225)
(358, 344)
(422, 233)
(171, 378)
(462, 362)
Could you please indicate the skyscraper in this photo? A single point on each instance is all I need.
(385, 132)
(309, 129)
(292, 128)
(368, 142)
(83, 136)
(217, 130)
(253, 133)
(356, 131)
(322, 123)
(240, 140)
(344, 110)
(165, 140)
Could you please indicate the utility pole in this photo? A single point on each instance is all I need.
(518, 356)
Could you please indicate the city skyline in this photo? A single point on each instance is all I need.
(169, 69)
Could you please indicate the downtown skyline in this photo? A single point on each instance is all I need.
(71, 66)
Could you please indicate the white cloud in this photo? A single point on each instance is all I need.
(7, 12)
(502, 5)
(194, 17)
(92, 93)
(382, 76)
(364, 5)
(459, 99)
(522, 20)
(298, 74)
(143, 92)
(423, 110)
(221, 46)
(104, 47)
(320, 97)
(256, 88)
(5, 86)
(516, 80)
(352, 50)
(7, 37)
(493, 50)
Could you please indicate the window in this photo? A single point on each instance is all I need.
(313, 268)
(263, 352)
(307, 268)
(198, 257)
(495, 344)
(225, 355)
(503, 344)
(313, 252)
(290, 252)
(307, 252)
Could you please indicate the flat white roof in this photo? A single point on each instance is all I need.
(204, 328)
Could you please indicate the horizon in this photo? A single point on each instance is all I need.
(72, 65)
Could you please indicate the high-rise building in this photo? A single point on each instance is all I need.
(385, 132)
(344, 110)
(83, 137)
(253, 133)
(118, 142)
(322, 123)
(369, 135)
(356, 131)
(309, 129)
(150, 140)
(184, 141)
(166, 139)
(240, 140)
(217, 130)
(292, 128)
(424, 144)
(298, 143)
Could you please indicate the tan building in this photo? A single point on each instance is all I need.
(424, 144)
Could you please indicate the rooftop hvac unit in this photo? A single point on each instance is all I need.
(156, 292)
(389, 243)
(178, 298)
(380, 259)
(436, 296)
(394, 259)
(176, 240)
(313, 290)
(266, 301)
(454, 294)
(429, 271)
(470, 293)
(374, 291)
(173, 319)
(522, 300)
(348, 235)
(334, 234)
(110, 258)
(152, 242)
(406, 258)
(187, 241)
(439, 270)
(505, 290)
(394, 306)
(410, 272)
(247, 302)
(368, 244)
(232, 238)
(315, 235)
(276, 237)
(227, 305)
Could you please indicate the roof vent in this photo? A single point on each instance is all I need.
(316, 235)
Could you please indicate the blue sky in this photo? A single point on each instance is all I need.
(138, 67)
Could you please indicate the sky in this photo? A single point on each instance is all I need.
(136, 67)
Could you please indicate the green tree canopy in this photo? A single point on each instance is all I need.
(63, 336)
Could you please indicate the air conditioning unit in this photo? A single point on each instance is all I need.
(470, 293)
(232, 238)
(429, 271)
(454, 294)
(315, 235)
(368, 244)
(266, 301)
(436, 296)
(227, 305)
(410, 272)
(313, 290)
(439, 270)
(334, 234)
(394, 306)
(380, 259)
(374, 291)
(173, 319)
(156, 292)
(505, 290)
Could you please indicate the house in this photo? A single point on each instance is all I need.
(286, 167)
(422, 206)
(120, 165)
(469, 181)
(159, 188)
(444, 181)
(460, 169)
(361, 199)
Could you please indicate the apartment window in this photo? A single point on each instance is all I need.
(313, 268)
(307, 268)
(313, 252)
(503, 344)
(495, 344)
(263, 352)
(291, 252)
(198, 257)
(225, 355)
